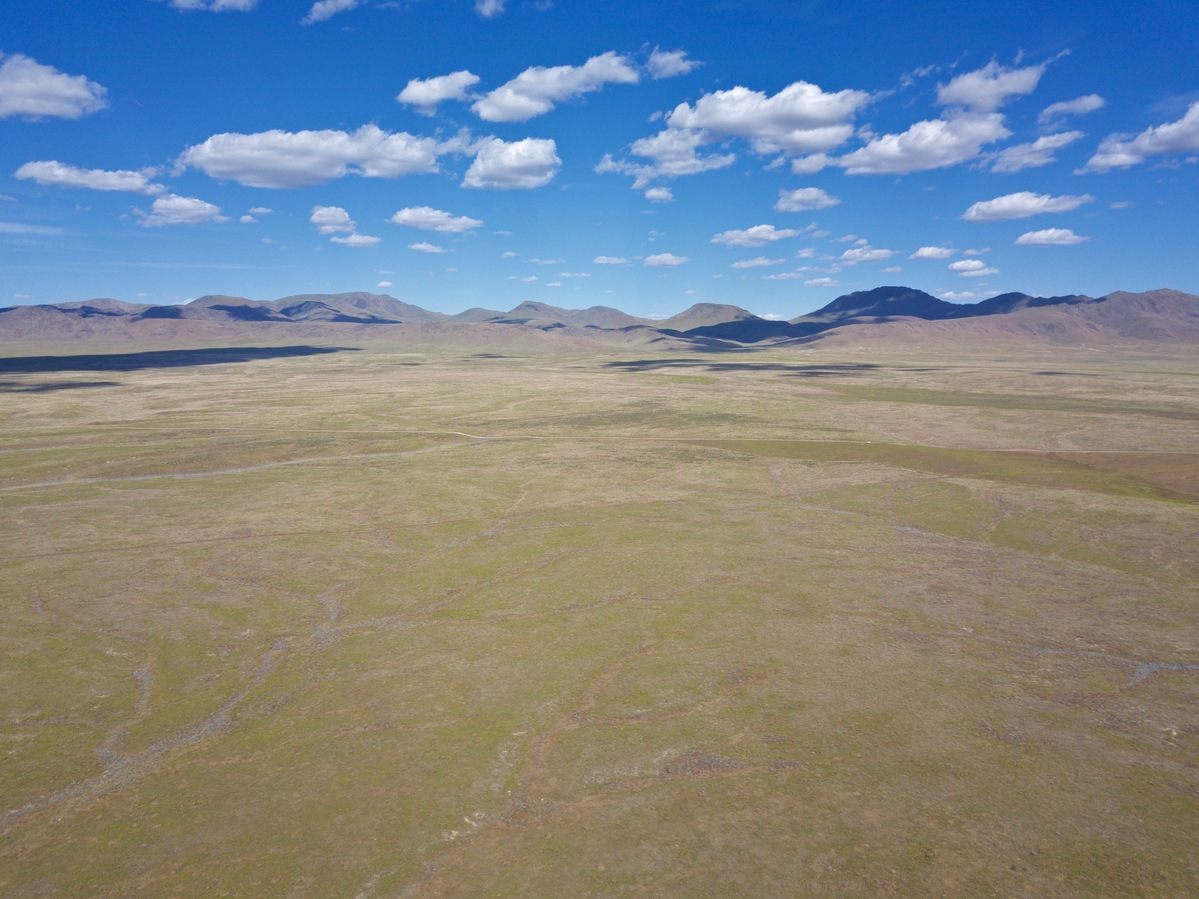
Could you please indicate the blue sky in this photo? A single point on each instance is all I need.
(459, 153)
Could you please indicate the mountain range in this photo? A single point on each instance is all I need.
(1157, 315)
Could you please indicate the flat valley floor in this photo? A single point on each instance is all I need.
(391, 621)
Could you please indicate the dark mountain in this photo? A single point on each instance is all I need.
(882, 302)
(894, 312)
(1011, 302)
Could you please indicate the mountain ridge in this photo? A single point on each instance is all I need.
(1160, 314)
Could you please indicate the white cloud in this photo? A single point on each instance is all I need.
(382, 284)
(215, 5)
(757, 236)
(609, 260)
(489, 9)
(430, 219)
(537, 261)
(954, 295)
(988, 88)
(32, 90)
(1078, 106)
(247, 220)
(757, 262)
(669, 63)
(865, 254)
(892, 269)
(821, 282)
(260, 210)
(356, 240)
(1050, 237)
(967, 265)
(175, 210)
(425, 247)
(801, 118)
(665, 259)
(519, 165)
(659, 195)
(972, 268)
(426, 93)
(327, 9)
(931, 144)
(1119, 151)
(62, 175)
(803, 199)
(782, 276)
(535, 90)
(1030, 156)
(574, 274)
(332, 220)
(1021, 205)
(809, 165)
(287, 159)
(673, 153)
(932, 253)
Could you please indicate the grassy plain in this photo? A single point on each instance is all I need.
(393, 621)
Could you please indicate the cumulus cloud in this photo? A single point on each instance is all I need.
(757, 262)
(287, 159)
(609, 260)
(489, 9)
(988, 88)
(801, 118)
(426, 93)
(1078, 106)
(804, 199)
(1021, 205)
(214, 5)
(672, 153)
(426, 247)
(335, 220)
(932, 253)
(972, 268)
(665, 259)
(327, 9)
(175, 210)
(1120, 151)
(855, 255)
(821, 282)
(52, 172)
(519, 165)
(669, 63)
(931, 144)
(1034, 155)
(332, 220)
(536, 90)
(355, 240)
(430, 219)
(757, 236)
(1050, 237)
(659, 195)
(34, 91)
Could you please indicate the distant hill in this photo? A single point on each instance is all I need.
(889, 312)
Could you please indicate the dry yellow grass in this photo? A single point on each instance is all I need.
(389, 622)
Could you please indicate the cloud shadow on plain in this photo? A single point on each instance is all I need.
(156, 359)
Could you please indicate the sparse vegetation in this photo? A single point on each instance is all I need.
(439, 623)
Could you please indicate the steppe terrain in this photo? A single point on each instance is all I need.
(390, 619)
